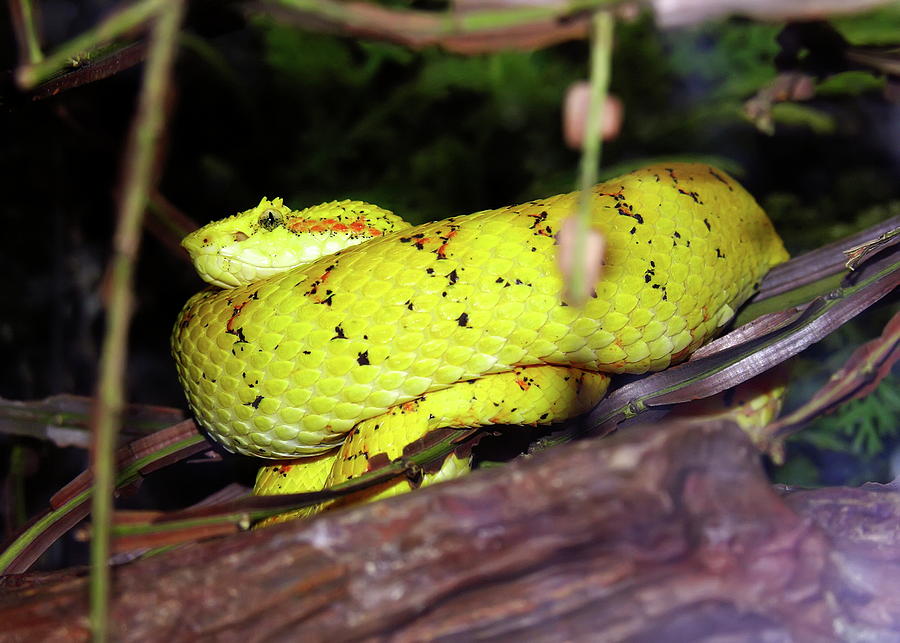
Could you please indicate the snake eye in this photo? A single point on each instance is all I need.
(270, 220)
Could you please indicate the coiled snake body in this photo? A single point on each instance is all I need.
(457, 322)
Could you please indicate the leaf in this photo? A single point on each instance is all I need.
(879, 26)
(850, 83)
(798, 114)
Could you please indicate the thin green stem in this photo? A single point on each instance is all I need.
(291, 502)
(601, 55)
(116, 25)
(136, 182)
(68, 511)
(790, 298)
(27, 31)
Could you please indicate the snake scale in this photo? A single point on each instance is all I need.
(342, 320)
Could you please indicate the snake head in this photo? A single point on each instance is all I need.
(244, 247)
(271, 238)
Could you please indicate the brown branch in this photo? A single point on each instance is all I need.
(824, 262)
(464, 30)
(480, 26)
(121, 58)
(63, 419)
(662, 533)
(169, 224)
(470, 27)
(858, 377)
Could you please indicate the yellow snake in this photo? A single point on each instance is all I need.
(342, 320)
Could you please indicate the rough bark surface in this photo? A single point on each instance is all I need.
(662, 533)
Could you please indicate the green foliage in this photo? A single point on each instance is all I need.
(857, 439)
(473, 124)
(834, 214)
(850, 83)
(680, 89)
(461, 119)
(861, 426)
(877, 27)
(803, 115)
(733, 59)
(799, 470)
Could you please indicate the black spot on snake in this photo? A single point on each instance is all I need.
(719, 178)
(239, 333)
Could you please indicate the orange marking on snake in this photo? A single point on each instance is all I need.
(442, 251)
(234, 315)
(300, 225)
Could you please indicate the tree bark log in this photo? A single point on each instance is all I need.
(666, 533)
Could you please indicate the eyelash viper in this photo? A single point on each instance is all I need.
(343, 320)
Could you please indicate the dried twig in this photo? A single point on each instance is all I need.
(119, 23)
(64, 419)
(514, 26)
(93, 69)
(859, 376)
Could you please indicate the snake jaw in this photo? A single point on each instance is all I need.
(233, 266)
